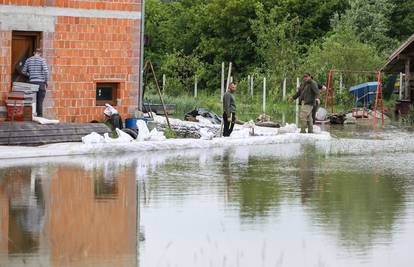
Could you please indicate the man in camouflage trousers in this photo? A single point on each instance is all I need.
(308, 98)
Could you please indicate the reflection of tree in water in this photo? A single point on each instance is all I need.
(363, 206)
(259, 189)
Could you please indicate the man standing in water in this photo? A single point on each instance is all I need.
(229, 110)
(309, 97)
(36, 69)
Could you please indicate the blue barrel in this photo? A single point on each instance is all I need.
(131, 123)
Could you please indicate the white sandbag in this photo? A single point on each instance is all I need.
(289, 128)
(250, 124)
(42, 120)
(242, 133)
(321, 114)
(203, 121)
(93, 138)
(316, 129)
(122, 137)
(157, 136)
(205, 134)
(143, 132)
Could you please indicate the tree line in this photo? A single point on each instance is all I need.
(276, 39)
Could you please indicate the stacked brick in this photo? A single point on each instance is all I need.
(83, 51)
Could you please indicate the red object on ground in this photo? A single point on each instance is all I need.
(15, 112)
(27, 113)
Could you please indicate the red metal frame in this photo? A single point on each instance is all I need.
(379, 96)
(329, 92)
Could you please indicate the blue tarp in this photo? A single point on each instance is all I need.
(364, 93)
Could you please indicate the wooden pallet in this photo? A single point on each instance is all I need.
(33, 134)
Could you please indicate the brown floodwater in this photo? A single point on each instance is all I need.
(349, 202)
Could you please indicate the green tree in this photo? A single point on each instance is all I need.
(341, 50)
(402, 19)
(277, 45)
(371, 21)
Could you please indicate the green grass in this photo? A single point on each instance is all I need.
(248, 108)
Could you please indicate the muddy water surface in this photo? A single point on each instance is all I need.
(343, 203)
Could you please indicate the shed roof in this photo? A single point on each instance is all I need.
(396, 61)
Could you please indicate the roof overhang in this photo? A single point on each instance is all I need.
(396, 62)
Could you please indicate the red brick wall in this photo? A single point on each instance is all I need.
(5, 65)
(84, 51)
(81, 52)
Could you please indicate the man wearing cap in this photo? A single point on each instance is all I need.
(36, 69)
(309, 97)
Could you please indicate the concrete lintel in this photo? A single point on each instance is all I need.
(40, 13)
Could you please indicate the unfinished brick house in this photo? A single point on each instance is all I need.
(92, 48)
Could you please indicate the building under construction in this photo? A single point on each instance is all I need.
(92, 49)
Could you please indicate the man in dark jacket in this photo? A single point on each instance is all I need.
(321, 88)
(229, 110)
(308, 98)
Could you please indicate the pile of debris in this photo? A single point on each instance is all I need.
(203, 112)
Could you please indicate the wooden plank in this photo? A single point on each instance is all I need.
(39, 141)
(18, 127)
(29, 133)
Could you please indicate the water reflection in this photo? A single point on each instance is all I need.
(68, 216)
(242, 206)
(363, 204)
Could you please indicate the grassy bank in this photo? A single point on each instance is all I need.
(248, 107)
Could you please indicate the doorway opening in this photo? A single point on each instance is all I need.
(24, 44)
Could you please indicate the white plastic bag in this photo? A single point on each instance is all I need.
(242, 133)
(143, 132)
(122, 137)
(289, 128)
(321, 114)
(157, 136)
(205, 134)
(93, 138)
(42, 120)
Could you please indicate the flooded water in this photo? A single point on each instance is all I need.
(349, 202)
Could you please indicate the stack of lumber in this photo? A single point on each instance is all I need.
(31, 134)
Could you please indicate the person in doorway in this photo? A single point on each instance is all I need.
(308, 98)
(35, 68)
(229, 110)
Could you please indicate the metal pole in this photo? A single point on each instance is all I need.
(251, 86)
(159, 94)
(222, 82)
(163, 84)
(228, 77)
(284, 89)
(264, 95)
(401, 85)
(407, 80)
(142, 45)
(248, 84)
(195, 86)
